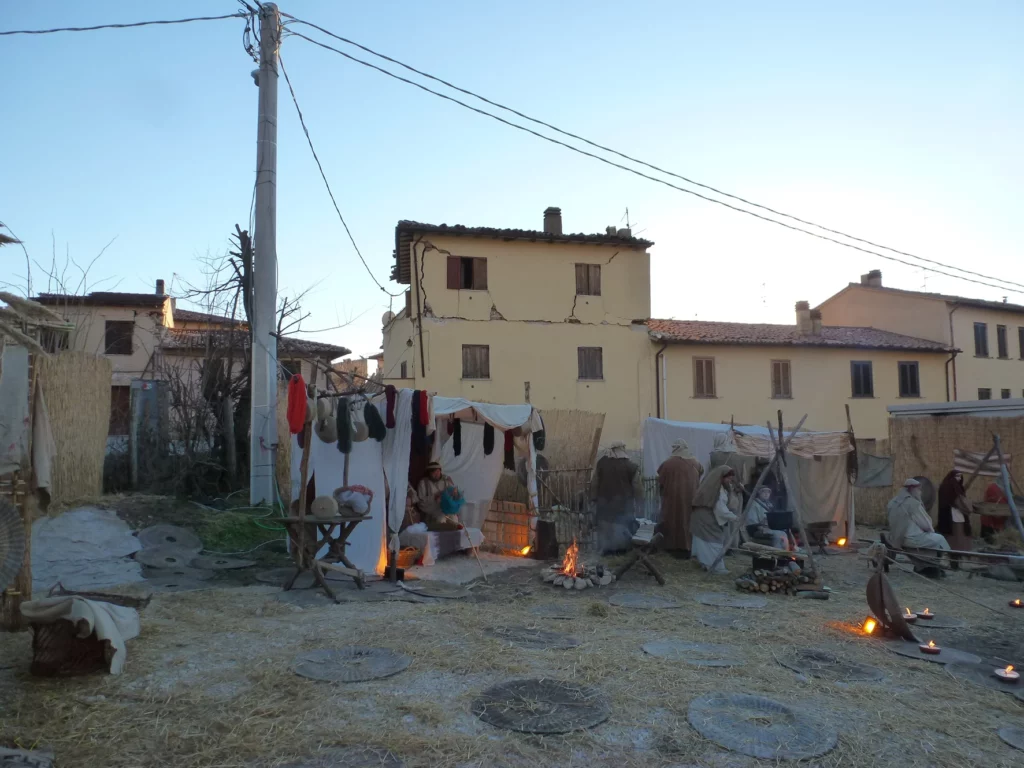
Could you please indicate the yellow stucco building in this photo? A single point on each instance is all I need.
(563, 321)
(988, 335)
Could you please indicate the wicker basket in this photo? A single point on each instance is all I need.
(58, 652)
(407, 556)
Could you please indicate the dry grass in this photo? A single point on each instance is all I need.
(208, 682)
(569, 437)
(77, 391)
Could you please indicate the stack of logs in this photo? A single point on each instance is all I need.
(787, 579)
(591, 576)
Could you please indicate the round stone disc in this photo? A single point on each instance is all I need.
(642, 601)
(345, 757)
(541, 706)
(760, 727)
(533, 639)
(350, 665)
(825, 665)
(555, 612)
(174, 584)
(732, 601)
(1012, 735)
(939, 622)
(191, 574)
(722, 621)
(695, 654)
(163, 535)
(165, 558)
(982, 675)
(948, 655)
(440, 589)
(219, 563)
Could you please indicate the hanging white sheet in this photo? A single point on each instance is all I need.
(475, 473)
(396, 454)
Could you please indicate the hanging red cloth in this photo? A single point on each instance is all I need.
(297, 404)
(424, 407)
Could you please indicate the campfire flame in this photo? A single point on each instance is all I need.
(869, 626)
(841, 542)
(525, 550)
(570, 564)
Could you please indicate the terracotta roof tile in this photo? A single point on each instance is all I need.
(963, 301)
(765, 334)
(188, 316)
(188, 339)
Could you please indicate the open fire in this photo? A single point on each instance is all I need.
(572, 573)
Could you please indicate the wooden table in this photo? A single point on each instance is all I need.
(335, 532)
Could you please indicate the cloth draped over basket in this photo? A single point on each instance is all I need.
(114, 624)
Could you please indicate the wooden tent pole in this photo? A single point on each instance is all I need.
(1007, 488)
(977, 469)
(734, 530)
(796, 506)
(307, 434)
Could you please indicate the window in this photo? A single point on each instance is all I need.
(120, 410)
(703, 377)
(781, 379)
(863, 383)
(980, 340)
(404, 370)
(910, 381)
(118, 337)
(984, 393)
(1020, 341)
(466, 273)
(588, 279)
(476, 361)
(1002, 347)
(408, 303)
(591, 362)
(1005, 394)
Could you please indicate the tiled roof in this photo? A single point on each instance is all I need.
(963, 301)
(187, 339)
(188, 316)
(405, 230)
(104, 299)
(767, 335)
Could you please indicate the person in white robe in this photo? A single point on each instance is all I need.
(715, 507)
(909, 523)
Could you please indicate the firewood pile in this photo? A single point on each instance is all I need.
(787, 579)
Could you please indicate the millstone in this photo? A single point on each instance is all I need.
(642, 601)
(534, 639)
(983, 675)
(541, 706)
(440, 589)
(694, 654)
(219, 563)
(760, 727)
(165, 558)
(163, 535)
(940, 622)
(174, 584)
(948, 655)
(350, 665)
(722, 621)
(188, 573)
(754, 602)
(347, 757)
(555, 612)
(305, 580)
(1012, 735)
(826, 665)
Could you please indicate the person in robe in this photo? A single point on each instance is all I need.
(428, 494)
(678, 478)
(715, 506)
(615, 489)
(909, 523)
(954, 511)
(757, 520)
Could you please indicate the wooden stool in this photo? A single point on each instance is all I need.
(642, 550)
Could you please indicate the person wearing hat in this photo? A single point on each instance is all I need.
(910, 526)
(678, 479)
(615, 489)
(429, 492)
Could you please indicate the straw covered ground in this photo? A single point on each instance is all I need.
(209, 681)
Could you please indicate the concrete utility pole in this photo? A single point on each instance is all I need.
(263, 426)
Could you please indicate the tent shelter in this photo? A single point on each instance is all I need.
(817, 468)
(388, 467)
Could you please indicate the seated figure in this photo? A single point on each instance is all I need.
(909, 523)
(436, 491)
(757, 520)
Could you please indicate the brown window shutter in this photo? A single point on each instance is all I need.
(581, 279)
(485, 362)
(710, 366)
(479, 274)
(454, 273)
(408, 304)
(595, 279)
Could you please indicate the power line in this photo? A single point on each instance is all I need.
(121, 26)
(643, 162)
(327, 184)
(1002, 287)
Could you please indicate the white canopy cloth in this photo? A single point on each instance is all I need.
(819, 481)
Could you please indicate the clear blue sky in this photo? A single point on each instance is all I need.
(901, 123)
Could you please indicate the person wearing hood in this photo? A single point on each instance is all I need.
(678, 478)
(954, 511)
(614, 489)
(724, 453)
(757, 520)
(434, 485)
(715, 506)
(909, 523)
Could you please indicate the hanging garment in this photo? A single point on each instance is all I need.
(360, 431)
(374, 422)
(510, 456)
(419, 431)
(390, 394)
(424, 408)
(296, 404)
(456, 433)
(14, 413)
(488, 439)
(344, 426)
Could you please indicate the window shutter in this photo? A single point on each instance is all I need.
(408, 303)
(787, 389)
(479, 274)
(454, 273)
(581, 279)
(595, 279)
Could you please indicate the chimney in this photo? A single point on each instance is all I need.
(610, 231)
(803, 317)
(816, 322)
(625, 232)
(553, 221)
(159, 287)
(872, 279)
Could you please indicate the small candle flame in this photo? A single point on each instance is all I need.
(926, 611)
(869, 625)
(908, 612)
(1009, 668)
(1017, 601)
(841, 542)
(525, 550)
(931, 643)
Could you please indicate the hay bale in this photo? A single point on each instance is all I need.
(76, 386)
(569, 437)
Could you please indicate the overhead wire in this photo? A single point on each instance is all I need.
(327, 184)
(993, 282)
(131, 25)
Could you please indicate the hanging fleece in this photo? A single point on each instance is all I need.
(296, 404)
(391, 394)
(488, 439)
(539, 438)
(510, 456)
(373, 420)
(424, 407)
(419, 432)
(344, 426)
(456, 432)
